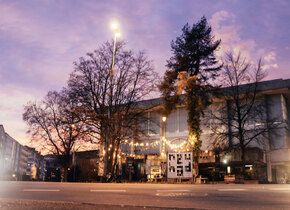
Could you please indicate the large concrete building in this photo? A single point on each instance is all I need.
(10, 156)
(268, 160)
(15, 158)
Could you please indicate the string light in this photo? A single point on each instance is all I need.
(164, 142)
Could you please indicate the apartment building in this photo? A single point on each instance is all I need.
(14, 158)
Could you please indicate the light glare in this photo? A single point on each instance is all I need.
(117, 34)
(114, 26)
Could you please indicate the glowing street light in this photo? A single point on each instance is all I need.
(114, 26)
(164, 119)
(116, 34)
(163, 138)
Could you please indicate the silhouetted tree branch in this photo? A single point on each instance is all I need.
(56, 124)
(241, 117)
(97, 91)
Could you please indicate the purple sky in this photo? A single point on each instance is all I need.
(40, 39)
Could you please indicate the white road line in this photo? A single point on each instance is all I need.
(237, 189)
(278, 189)
(108, 190)
(172, 190)
(41, 190)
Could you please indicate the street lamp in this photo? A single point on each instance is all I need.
(116, 34)
(164, 119)
(163, 138)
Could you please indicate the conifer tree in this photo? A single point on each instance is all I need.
(191, 70)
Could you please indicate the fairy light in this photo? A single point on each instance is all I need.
(164, 142)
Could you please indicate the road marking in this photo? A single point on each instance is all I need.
(108, 190)
(237, 189)
(41, 190)
(172, 190)
(282, 189)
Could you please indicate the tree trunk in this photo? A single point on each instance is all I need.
(65, 174)
(243, 160)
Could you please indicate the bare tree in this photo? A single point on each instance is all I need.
(241, 120)
(99, 88)
(57, 125)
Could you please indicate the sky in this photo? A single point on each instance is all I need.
(40, 39)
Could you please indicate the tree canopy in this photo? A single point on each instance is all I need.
(97, 90)
(57, 125)
(241, 120)
(191, 70)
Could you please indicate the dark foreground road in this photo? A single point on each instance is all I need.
(44, 195)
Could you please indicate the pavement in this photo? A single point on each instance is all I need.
(55, 195)
(12, 204)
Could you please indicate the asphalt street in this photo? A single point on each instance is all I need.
(193, 196)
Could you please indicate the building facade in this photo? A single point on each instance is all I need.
(267, 159)
(14, 158)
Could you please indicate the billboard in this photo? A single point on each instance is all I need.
(179, 165)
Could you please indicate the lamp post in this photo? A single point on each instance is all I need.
(116, 34)
(163, 145)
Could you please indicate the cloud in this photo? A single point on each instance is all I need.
(226, 28)
(270, 57)
(270, 66)
(11, 109)
(39, 51)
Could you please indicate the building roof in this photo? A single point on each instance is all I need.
(269, 85)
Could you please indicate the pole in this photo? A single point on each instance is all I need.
(109, 110)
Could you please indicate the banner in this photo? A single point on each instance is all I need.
(179, 165)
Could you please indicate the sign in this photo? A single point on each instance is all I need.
(163, 168)
(179, 165)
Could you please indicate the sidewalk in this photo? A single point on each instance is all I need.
(12, 204)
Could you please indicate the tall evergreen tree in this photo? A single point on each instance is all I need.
(193, 52)
(191, 70)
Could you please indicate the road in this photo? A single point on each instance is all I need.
(206, 196)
